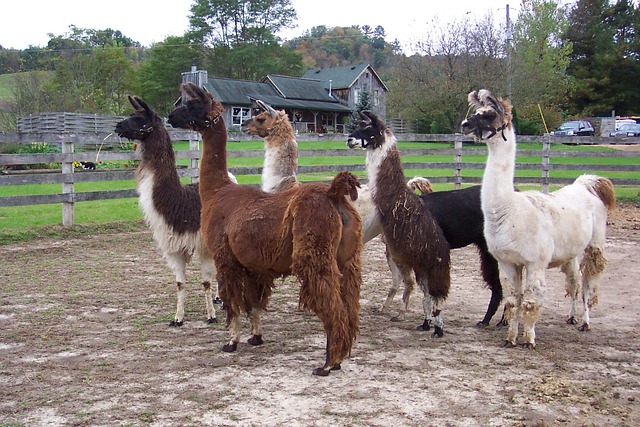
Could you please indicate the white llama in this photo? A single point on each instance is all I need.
(533, 231)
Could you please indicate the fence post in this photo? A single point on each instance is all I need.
(546, 152)
(193, 145)
(67, 185)
(457, 179)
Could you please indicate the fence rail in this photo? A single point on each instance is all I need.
(68, 175)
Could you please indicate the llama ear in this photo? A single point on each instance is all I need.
(375, 120)
(266, 107)
(134, 103)
(143, 105)
(365, 117)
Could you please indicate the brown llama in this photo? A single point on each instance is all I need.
(311, 231)
(532, 231)
(171, 209)
(279, 173)
(413, 237)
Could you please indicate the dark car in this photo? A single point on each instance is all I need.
(629, 129)
(575, 128)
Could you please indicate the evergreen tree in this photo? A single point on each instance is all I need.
(363, 104)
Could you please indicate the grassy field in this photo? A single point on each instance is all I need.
(24, 222)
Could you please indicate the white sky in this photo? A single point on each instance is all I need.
(27, 22)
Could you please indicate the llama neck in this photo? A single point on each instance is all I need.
(497, 181)
(280, 163)
(213, 167)
(386, 176)
(157, 157)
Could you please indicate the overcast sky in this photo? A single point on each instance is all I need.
(27, 22)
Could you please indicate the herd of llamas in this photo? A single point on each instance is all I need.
(246, 237)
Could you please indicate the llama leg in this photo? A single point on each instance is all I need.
(395, 284)
(256, 327)
(592, 266)
(207, 271)
(427, 307)
(178, 264)
(491, 276)
(438, 323)
(572, 287)
(512, 277)
(532, 303)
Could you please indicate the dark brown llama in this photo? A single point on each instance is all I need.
(171, 209)
(413, 237)
(311, 231)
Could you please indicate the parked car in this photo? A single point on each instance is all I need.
(620, 122)
(575, 128)
(629, 129)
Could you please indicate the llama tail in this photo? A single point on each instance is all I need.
(423, 185)
(601, 187)
(344, 183)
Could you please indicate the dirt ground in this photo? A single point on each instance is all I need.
(85, 341)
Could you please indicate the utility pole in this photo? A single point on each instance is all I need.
(509, 40)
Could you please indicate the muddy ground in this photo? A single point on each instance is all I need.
(85, 341)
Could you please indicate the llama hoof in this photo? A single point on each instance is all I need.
(336, 367)
(212, 320)
(502, 323)
(255, 340)
(509, 344)
(572, 321)
(230, 347)
(217, 300)
(321, 372)
(584, 327)
(481, 324)
(529, 345)
(175, 323)
(438, 332)
(426, 325)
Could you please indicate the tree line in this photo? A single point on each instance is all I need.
(553, 61)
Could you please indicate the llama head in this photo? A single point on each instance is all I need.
(140, 124)
(264, 121)
(492, 115)
(196, 109)
(372, 132)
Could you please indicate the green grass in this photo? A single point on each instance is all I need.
(29, 222)
(6, 87)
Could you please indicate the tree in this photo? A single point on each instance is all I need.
(431, 88)
(239, 37)
(363, 104)
(605, 61)
(158, 78)
(539, 64)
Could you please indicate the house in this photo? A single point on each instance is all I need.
(320, 101)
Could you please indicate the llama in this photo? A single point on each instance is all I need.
(413, 237)
(533, 231)
(171, 209)
(310, 231)
(280, 147)
(279, 173)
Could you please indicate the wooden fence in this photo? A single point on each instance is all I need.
(68, 175)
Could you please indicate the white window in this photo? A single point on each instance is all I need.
(356, 95)
(376, 97)
(239, 115)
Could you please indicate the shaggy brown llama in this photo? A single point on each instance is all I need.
(279, 173)
(170, 208)
(413, 237)
(531, 231)
(312, 232)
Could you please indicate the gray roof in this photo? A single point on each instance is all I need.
(341, 77)
(277, 91)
